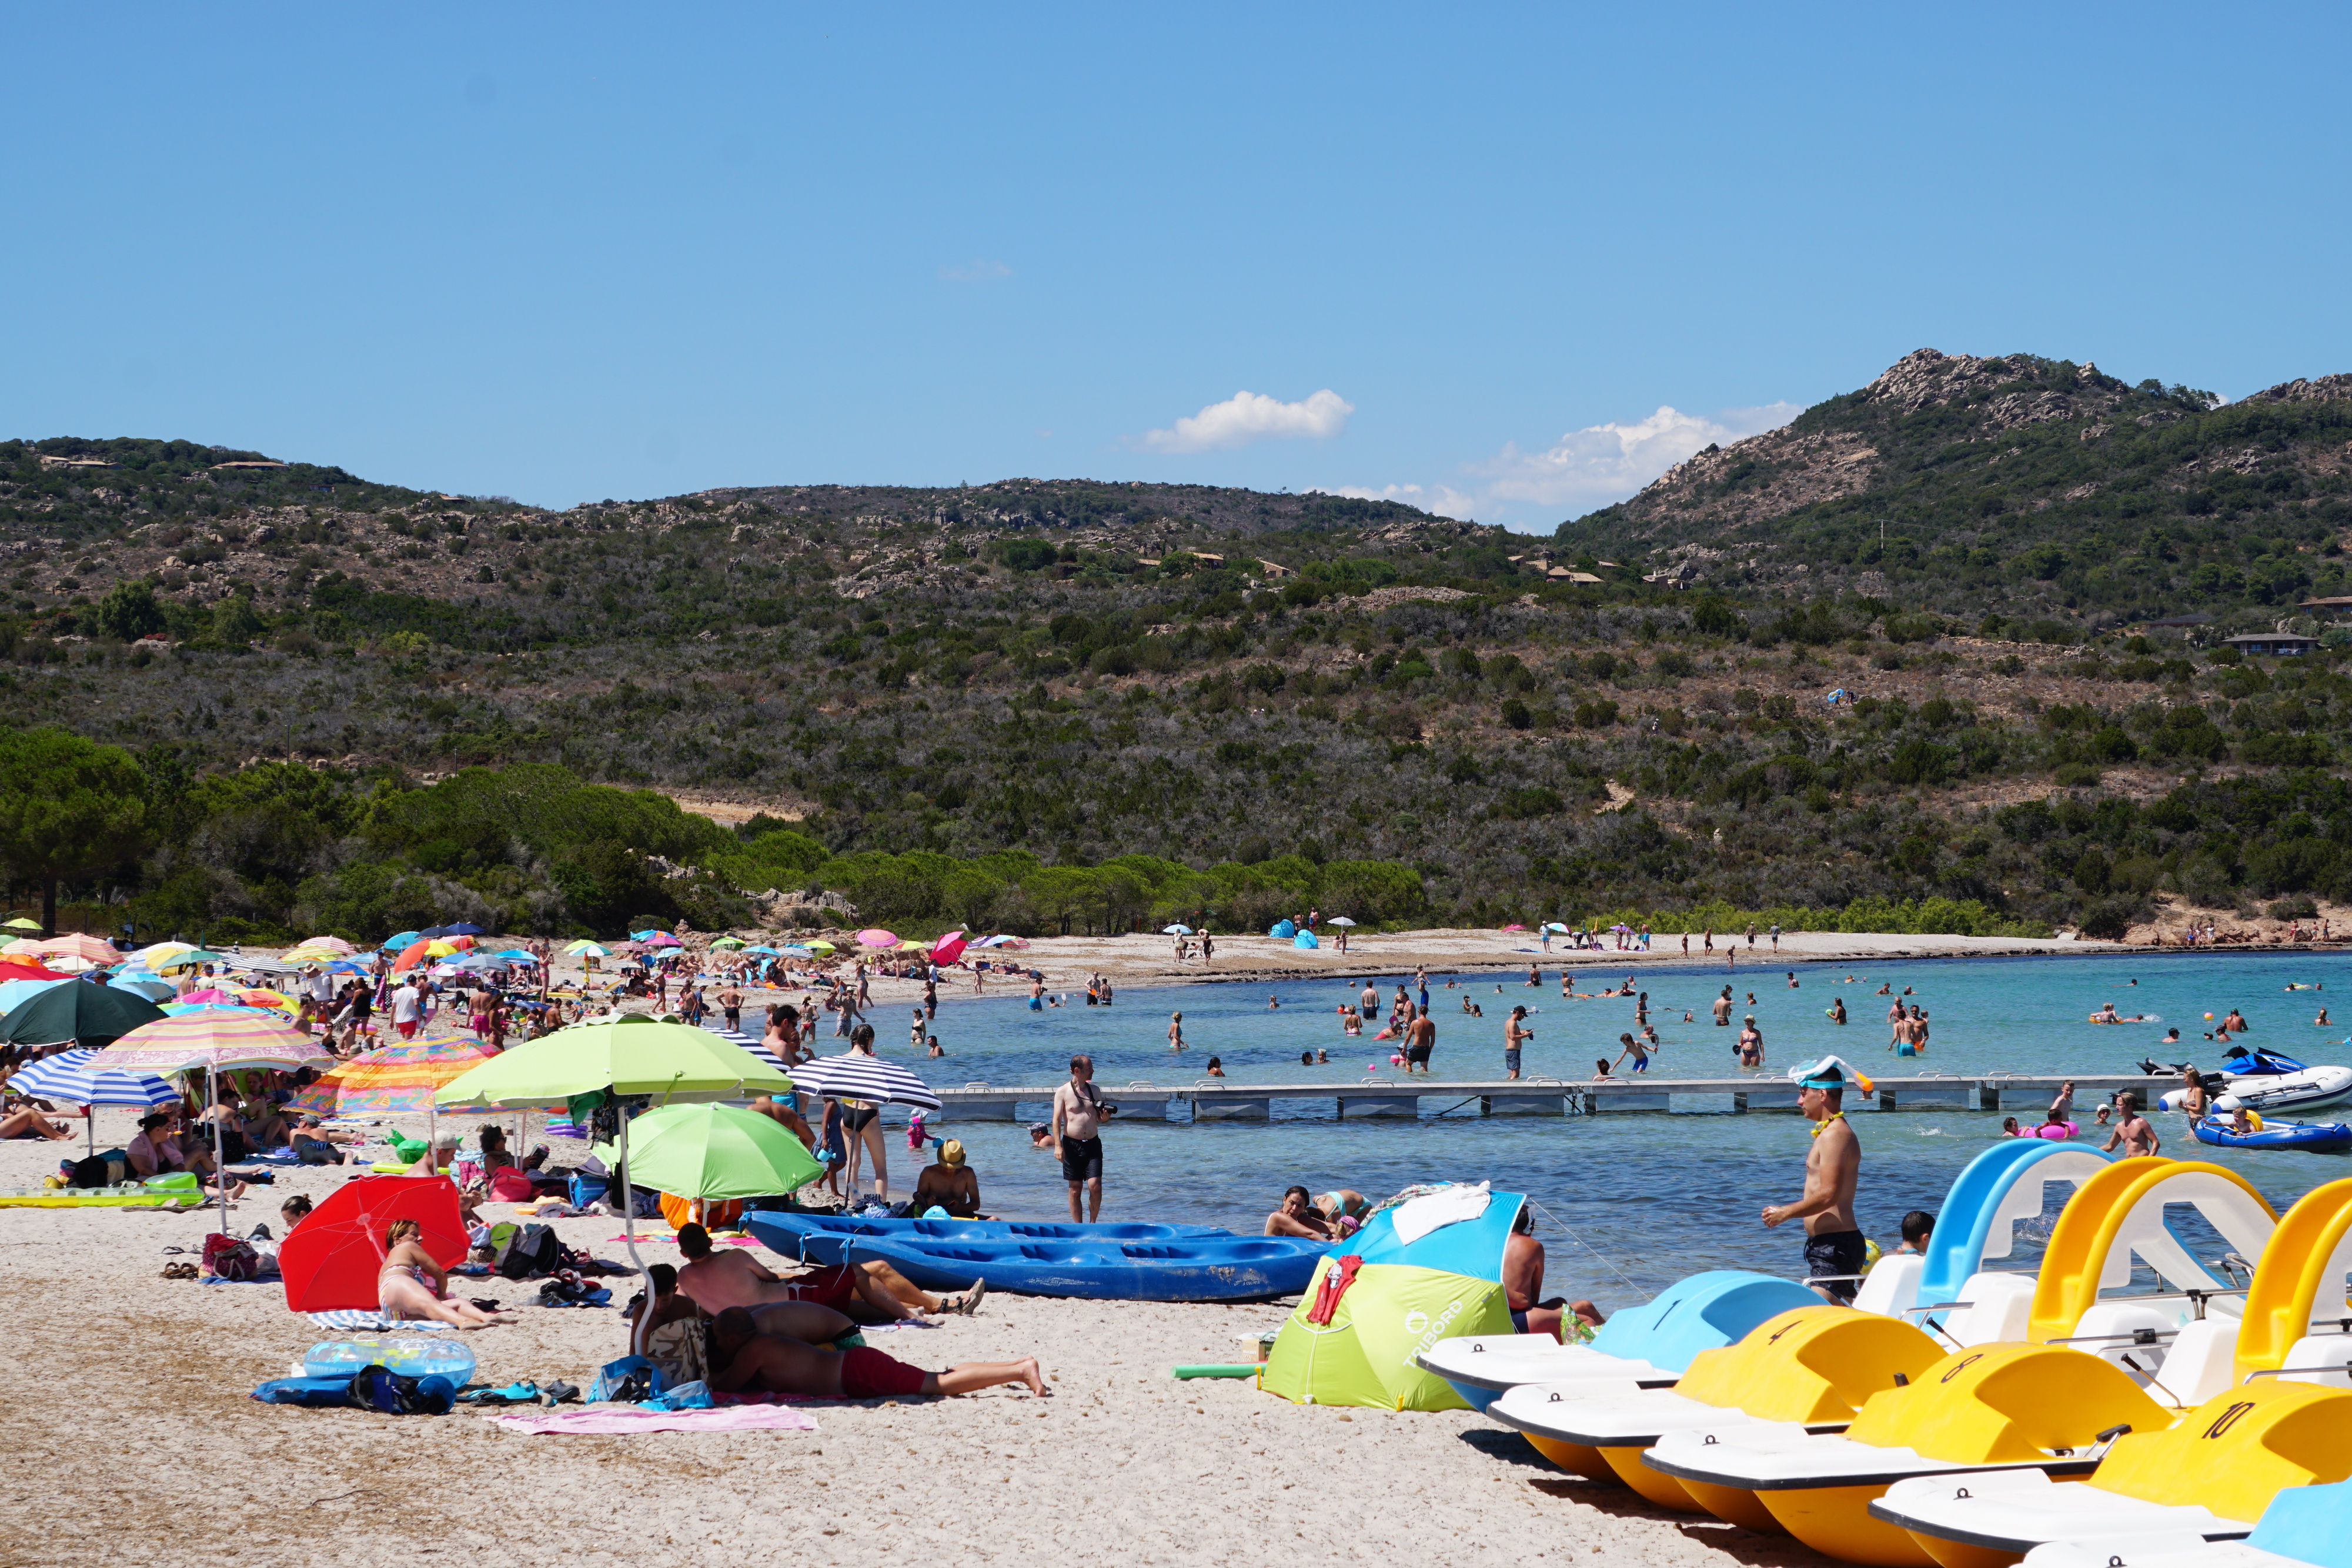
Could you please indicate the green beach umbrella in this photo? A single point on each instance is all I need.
(717, 1151)
(632, 1055)
(86, 1014)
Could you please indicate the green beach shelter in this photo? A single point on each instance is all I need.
(1386, 1295)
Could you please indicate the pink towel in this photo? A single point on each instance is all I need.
(729, 1418)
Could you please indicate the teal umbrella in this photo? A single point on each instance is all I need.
(89, 1015)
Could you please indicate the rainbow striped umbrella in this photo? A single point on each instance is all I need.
(213, 1039)
(396, 1081)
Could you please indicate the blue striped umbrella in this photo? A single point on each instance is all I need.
(67, 1076)
(854, 1077)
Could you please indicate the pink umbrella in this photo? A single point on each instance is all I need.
(1515, 928)
(874, 936)
(949, 948)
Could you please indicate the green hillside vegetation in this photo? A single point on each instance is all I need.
(1045, 705)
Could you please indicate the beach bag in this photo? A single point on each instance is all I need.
(227, 1258)
(532, 1250)
(508, 1185)
(680, 1353)
(95, 1171)
(628, 1380)
(586, 1190)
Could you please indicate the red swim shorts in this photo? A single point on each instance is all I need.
(867, 1374)
(835, 1286)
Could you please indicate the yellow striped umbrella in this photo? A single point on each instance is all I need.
(396, 1081)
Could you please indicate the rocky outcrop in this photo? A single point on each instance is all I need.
(2326, 388)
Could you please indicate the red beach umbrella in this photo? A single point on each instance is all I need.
(950, 948)
(331, 1259)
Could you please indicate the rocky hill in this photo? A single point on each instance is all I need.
(2018, 486)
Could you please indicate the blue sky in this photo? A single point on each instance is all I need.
(1461, 255)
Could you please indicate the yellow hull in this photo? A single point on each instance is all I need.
(1572, 1457)
(1954, 1555)
(1836, 1522)
(1734, 1505)
(1655, 1485)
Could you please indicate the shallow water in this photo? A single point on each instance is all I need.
(1639, 1200)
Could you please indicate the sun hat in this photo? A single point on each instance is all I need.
(951, 1153)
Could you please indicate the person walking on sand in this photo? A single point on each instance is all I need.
(1833, 1242)
(1515, 1035)
(1077, 1130)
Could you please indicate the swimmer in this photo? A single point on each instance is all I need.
(2322, 1020)
(1792, 980)
(1175, 1032)
(1836, 1011)
(1886, 991)
(1272, 1003)
(2106, 1013)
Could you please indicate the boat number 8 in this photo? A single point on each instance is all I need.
(1964, 1365)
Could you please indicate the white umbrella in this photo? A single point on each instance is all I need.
(1555, 926)
(1340, 920)
(1177, 930)
(854, 1076)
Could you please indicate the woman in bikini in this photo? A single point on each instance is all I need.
(411, 1286)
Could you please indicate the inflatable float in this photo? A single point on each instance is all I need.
(2210, 1475)
(2274, 1133)
(1201, 1268)
(820, 1238)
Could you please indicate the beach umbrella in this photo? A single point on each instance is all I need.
(1555, 926)
(216, 1039)
(14, 992)
(853, 1076)
(1340, 920)
(663, 939)
(154, 988)
(73, 945)
(718, 1152)
(402, 939)
(874, 936)
(397, 1080)
(585, 949)
(816, 946)
(11, 970)
(950, 948)
(188, 959)
(336, 943)
(1176, 931)
(517, 955)
(346, 966)
(21, 924)
(763, 948)
(463, 928)
(416, 952)
(726, 942)
(632, 1055)
(1514, 925)
(330, 1258)
(151, 953)
(70, 1009)
(67, 1076)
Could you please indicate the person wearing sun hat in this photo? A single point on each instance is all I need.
(1835, 1249)
(951, 1184)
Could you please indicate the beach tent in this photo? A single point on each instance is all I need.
(1304, 939)
(1426, 1269)
(1284, 929)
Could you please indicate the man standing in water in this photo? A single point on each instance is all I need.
(2131, 1130)
(1420, 1039)
(1077, 1133)
(1833, 1243)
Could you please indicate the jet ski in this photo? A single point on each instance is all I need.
(2268, 1082)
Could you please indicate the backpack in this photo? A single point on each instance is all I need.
(381, 1389)
(532, 1250)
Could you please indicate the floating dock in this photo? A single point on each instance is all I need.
(1215, 1101)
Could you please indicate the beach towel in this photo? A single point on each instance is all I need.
(1423, 1215)
(354, 1320)
(721, 1419)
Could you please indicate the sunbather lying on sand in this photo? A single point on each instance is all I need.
(870, 1293)
(30, 1124)
(412, 1286)
(780, 1365)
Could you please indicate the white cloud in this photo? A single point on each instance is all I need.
(1605, 462)
(975, 271)
(1248, 417)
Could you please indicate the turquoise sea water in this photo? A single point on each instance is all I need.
(1644, 1198)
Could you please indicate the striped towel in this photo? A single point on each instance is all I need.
(356, 1319)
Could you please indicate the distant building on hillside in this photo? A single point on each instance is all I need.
(2335, 604)
(51, 462)
(250, 463)
(2284, 644)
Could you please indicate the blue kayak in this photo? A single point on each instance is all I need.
(1200, 1268)
(821, 1238)
(2314, 1137)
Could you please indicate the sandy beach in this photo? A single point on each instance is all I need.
(138, 1442)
